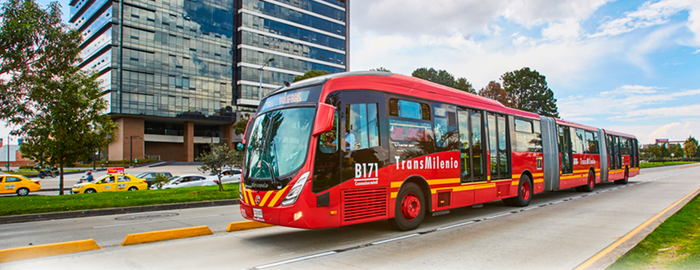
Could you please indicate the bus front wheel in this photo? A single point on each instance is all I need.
(410, 208)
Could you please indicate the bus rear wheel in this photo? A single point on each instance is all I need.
(410, 208)
(591, 183)
(525, 190)
(625, 180)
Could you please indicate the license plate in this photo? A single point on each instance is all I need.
(257, 213)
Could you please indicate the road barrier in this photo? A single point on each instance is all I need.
(38, 251)
(246, 225)
(140, 238)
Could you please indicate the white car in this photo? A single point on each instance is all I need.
(228, 176)
(189, 180)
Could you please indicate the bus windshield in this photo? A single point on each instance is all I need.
(278, 142)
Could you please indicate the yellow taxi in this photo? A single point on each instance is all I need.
(111, 183)
(18, 184)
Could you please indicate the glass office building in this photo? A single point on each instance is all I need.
(178, 73)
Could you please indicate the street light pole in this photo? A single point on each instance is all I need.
(8, 153)
(261, 72)
(131, 149)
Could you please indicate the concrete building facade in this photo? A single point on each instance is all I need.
(178, 73)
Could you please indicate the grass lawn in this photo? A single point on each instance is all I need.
(16, 205)
(675, 244)
(659, 164)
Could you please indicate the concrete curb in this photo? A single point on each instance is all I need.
(147, 237)
(23, 253)
(246, 225)
(112, 211)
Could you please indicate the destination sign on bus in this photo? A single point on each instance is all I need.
(286, 98)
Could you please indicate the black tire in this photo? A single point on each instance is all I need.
(415, 207)
(625, 180)
(41, 176)
(22, 192)
(590, 185)
(133, 189)
(525, 191)
(89, 190)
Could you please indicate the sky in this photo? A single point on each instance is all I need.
(628, 66)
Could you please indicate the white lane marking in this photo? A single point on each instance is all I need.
(296, 260)
(394, 239)
(456, 225)
(154, 221)
(499, 215)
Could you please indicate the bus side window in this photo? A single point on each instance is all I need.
(362, 128)
(328, 142)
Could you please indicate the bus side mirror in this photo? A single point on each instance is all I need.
(240, 146)
(324, 119)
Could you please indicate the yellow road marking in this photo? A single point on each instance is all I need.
(631, 234)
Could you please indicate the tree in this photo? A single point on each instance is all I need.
(310, 74)
(494, 91)
(240, 125)
(382, 69)
(464, 85)
(527, 90)
(665, 151)
(58, 106)
(676, 150)
(653, 151)
(443, 77)
(216, 161)
(690, 146)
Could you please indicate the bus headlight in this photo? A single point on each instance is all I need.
(296, 190)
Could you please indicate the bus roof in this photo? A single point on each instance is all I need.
(572, 124)
(619, 133)
(410, 86)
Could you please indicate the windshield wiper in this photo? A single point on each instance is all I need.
(272, 173)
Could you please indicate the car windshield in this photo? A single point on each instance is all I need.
(278, 142)
(142, 175)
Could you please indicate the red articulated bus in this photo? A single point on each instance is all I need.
(358, 147)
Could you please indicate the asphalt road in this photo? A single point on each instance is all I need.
(560, 230)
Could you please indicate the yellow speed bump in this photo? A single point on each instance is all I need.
(38, 251)
(140, 238)
(246, 225)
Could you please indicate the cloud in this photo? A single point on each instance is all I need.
(535, 12)
(629, 103)
(652, 14)
(569, 29)
(444, 17)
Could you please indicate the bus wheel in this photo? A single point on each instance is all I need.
(525, 190)
(591, 183)
(410, 208)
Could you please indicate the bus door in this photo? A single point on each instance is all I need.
(472, 154)
(612, 156)
(499, 147)
(364, 152)
(565, 150)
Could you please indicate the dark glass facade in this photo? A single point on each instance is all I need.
(199, 60)
(200, 57)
